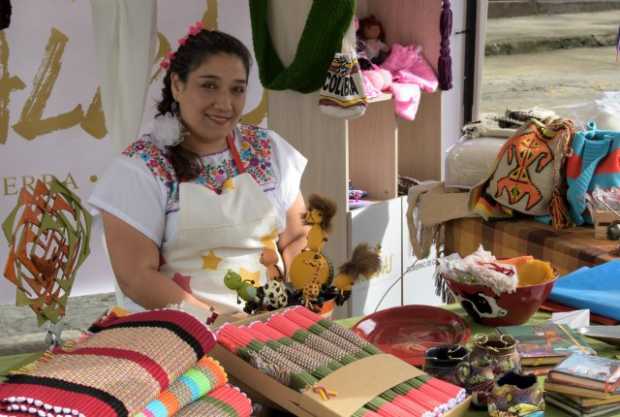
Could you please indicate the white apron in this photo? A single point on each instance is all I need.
(221, 232)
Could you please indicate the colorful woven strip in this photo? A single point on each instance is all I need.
(272, 334)
(203, 378)
(296, 347)
(226, 401)
(114, 372)
(289, 328)
(264, 358)
(307, 362)
(364, 412)
(334, 327)
(325, 334)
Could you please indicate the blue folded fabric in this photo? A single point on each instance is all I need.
(596, 288)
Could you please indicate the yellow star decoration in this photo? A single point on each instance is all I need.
(228, 185)
(251, 277)
(211, 261)
(269, 241)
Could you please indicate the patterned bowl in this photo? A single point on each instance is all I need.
(506, 309)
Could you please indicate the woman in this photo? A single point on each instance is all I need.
(201, 194)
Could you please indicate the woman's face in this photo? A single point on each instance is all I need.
(212, 99)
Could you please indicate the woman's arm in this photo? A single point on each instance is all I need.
(293, 238)
(135, 262)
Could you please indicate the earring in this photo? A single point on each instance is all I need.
(174, 107)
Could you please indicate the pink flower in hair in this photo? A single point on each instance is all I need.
(183, 40)
(170, 55)
(196, 28)
(165, 64)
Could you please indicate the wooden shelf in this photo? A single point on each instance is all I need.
(370, 150)
(381, 97)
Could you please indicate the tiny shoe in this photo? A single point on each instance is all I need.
(516, 395)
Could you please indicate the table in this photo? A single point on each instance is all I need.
(14, 361)
(567, 250)
(603, 349)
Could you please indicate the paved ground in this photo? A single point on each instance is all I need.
(564, 80)
(512, 8)
(552, 72)
(19, 332)
(529, 34)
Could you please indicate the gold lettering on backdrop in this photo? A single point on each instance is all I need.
(9, 185)
(70, 182)
(28, 180)
(164, 47)
(210, 16)
(93, 122)
(386, 264)
(31, 124)
(47, 178)
(7, 85)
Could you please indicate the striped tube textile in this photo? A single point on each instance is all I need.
(334, 327)
(289, 328)
(275, 335)
(387, 409)
(365, 412)
(264, 358)
(201, 379)
(307, 362)
(226, 401)
(455, 391)
(323, 332)
(408, 404)
(116, 371)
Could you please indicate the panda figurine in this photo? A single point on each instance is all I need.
(274, 295)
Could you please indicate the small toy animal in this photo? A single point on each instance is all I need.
(364, 261)
(245, 290)
(274, 295)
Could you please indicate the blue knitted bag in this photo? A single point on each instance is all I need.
(594, 163)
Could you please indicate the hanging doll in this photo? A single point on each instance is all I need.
(371, 46)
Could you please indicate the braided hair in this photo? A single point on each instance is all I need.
(190, 55)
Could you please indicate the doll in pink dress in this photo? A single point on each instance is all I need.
(371, 46)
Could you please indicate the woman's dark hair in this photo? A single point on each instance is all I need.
(187, 58)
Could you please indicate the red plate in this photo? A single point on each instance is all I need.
(408, 331)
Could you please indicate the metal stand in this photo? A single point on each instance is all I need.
(53, 335)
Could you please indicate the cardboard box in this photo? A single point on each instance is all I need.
(601, 220)
(355, 384)
(378, 224)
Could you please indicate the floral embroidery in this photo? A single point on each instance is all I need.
(255, 151)
(158, 163)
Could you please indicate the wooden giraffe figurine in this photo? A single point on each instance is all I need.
(311, 291)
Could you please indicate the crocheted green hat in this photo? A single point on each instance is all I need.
(321, 39)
